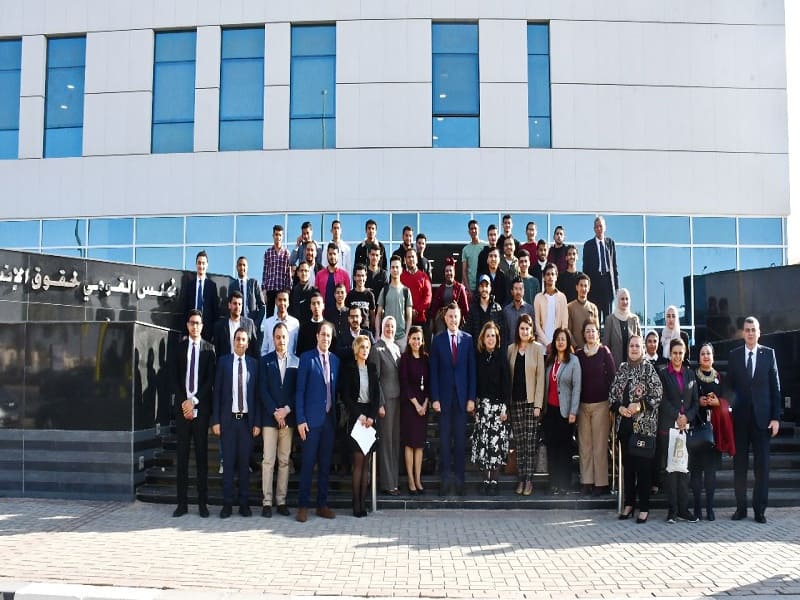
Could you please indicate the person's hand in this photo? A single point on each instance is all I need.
(624, 411)
(362, 419)
(187, 408)
(774, 426)
(571, 419)
(703, 400)
(470, 406)
(537, 412)
(368, 422)
(302, 430)
(256, 431)
(381, 412)
(437, 407)
(682, 422)
(215, 429)
(503, 417)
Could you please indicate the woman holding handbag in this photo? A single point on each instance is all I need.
(713, 410)
(634, 397)
(678, 410)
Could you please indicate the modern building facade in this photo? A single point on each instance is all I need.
(143, 132)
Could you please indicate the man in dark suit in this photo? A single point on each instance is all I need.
(200, 293)
(225, 328)
(600, 264)
(315, 402)
(192, 376)
(253, 307)
(453, 396)
(756, 405)
(278, 387)
(236, 418)
(344, 343)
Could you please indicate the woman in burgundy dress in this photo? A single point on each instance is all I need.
(414, 404)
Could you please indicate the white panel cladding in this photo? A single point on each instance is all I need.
(206, 120)
(667, 54)
(277, 57)
(381, 115)
(34, 66)
(503, 51)
(209, 49)
(31, 132)
(118, 123)
(276, 119)
(392, 51)
(669, 118)
(119, 61)
(408, 179)
(504, 115)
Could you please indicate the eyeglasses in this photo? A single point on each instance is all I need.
(198, 323)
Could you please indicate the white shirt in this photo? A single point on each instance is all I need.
(191, 393)
(344, 255)
(235, 384)
(232, 327)
(550, 317)
(267, 325)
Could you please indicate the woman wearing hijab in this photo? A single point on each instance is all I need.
(651, 348)
(634, 398)
(672, 331)
(414, 402)
(620, 326)
(385, 355)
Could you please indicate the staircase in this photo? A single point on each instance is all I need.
(160, 482)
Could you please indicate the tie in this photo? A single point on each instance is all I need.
(749, 364)
(603, 265)
(241, 387)
(454, 349)
(243, 289)
(326, 373)
(200, 295)
(191, 368)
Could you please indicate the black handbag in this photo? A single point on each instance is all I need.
(642, 446)
(700, 437)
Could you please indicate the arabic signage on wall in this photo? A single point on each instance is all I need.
(40, 287)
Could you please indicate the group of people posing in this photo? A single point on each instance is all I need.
(508, 348)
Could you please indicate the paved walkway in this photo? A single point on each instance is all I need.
(429, 554)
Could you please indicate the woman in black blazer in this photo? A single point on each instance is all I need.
(360, 392)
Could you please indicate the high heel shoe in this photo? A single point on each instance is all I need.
(642, 519)
(520, 488)
(625, 515)
(528, 488)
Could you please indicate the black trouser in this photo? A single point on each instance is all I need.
(677, 487)
(196, 429)
(636, 477)
(746, 434)
(558, 438)
(703, 466)
(270, 302)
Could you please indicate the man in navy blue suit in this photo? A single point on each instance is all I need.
(756, 405)
(253, 306)
(236, 418)
(200, 293)
(278, 387)
(225, 328)
(453, 396)
(315, 402)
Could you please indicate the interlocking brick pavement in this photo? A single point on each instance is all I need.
(429, 554)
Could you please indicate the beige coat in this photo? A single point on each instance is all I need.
(534, 371)
(540, 310)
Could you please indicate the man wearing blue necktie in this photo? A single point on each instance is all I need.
(200, 293)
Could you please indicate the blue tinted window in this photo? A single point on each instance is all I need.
(760, 231)
(667, 230)
(255, 259)
(456, 86)
(354, 226)
(258, 228)
(294, 223)
(713, 230)
(159, 230)
(442, 227)
(630, 263)
(123, 255)
(64, 232)
(456, 132)
(19, 234)
(666, 268)
(539, 125)
(10, 65)
(169, 258)
(70, 252)
(113, 232)
(577, 229)
(712, 260)
(173, 92)
(209, 230)
(400, 220)
(241, 106)
(66, 59)
(627, 229)
(221, 260)
(756, 258)
(313, 87)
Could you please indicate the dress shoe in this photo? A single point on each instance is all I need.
(528, 488)
(226, 511)
(670, 518)
(741, 513)
(520, 488)
(445, 490)
(493, 488)
(420, 491)
(599, 491)
(642, 519)
(687, 516)
(245, 511)
(760, 518)
(325, 512)
(302, 515)
(710, 514)
(203, 510)
(181, 510)
(363, 513)
(266, 512)
(283, 510)
(459, 489)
